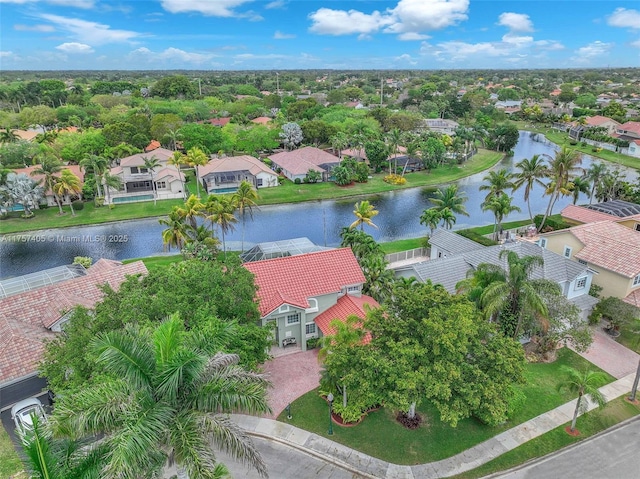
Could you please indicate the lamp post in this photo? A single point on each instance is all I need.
(330, 399)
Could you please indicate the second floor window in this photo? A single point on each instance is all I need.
(293, 318)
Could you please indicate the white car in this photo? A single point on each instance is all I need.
(22, 413)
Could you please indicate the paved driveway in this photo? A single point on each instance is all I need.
(611, 356)
(291, 376)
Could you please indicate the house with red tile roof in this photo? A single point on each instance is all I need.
(630, 129)
(29, 318)
(296, 163)
(224, 175)
(262, 120)
(154, 145)
(609, 249)
(48, 195)
(300, 295)
(602, 122)
(580, 215)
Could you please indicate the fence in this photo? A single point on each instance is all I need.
(409, 254)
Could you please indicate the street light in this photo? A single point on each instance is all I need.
(330, 399)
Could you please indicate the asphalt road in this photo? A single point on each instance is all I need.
(612, 455)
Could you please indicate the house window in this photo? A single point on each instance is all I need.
(567, 252)
(582, 282)
(259, 182)
(144, 170)
(636, 280)
(543, 242)
(134, 170)
(310, 328)
(293, 318)
(161, 184)
(637, 226)
(581, 261)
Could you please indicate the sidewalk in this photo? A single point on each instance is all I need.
(370, 467)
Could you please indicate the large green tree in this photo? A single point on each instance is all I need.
(585, 384)
(163, 395)
(245, 200)
(562, 169)
(531, 171)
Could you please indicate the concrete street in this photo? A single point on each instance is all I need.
(612, 455)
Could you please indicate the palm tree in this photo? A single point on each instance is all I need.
(501, 207)
(448, 218)
(172, 136)
(339, 142)
(177, 231)
(394, 137)
(498, 182)
(580, 185)
(561, 171)
(515, 295)
(49, 166)
(531, 173)
(151, 164)
(68, 184)
(165, 395)
(595, 175)
(98, 166)
(364, 211)
(177, 160)
(110, 181)
(430, 218)
(192, 209)
(221, 214)
(584, 384)
(449, 199)
(245, 199)
(8, 136)
(196, 157)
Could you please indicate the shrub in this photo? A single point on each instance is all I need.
(267, 162)
(84, 261)
(77, 205)
(395, 179)
(312, 343)
(43, 206)
(614, 310)
(554, 224)
(351, 413)
(99, 201)
(573, 143)
(297, 181)
(478, 238)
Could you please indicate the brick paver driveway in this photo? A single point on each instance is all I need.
(611, 356)
(291, 376)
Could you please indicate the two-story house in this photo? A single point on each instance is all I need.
(224, 175)
(610, 249)
(300, 295)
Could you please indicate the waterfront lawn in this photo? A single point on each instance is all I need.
(154, 263)
(589, 424)
(10, 463)
(290, 192)
(402, 245)
(381, 436)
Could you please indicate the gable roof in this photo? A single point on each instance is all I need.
(25, 318)
(154, 145)
(161, 154)
(294, 279)
(581, 214)
(347, 305)
(218, 121)
(609, 245)
(261, 120)
(75, 169)
(632, 126)
(599, 120)
(453, 242)
(300, 161)
(235, 163)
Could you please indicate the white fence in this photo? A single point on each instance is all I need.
(406, 255)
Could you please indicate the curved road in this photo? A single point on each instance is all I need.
(612, 455)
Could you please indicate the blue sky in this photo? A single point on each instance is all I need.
(301, 34)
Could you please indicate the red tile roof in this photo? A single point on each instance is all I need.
(581, 214)
(346, 306)
(262, 120)
(219, 121)
(632, 126)
(154, 145)
(294, 279)
(633, 298)
(25, 318)
(598, 120)
(75, 169)
(300, 161)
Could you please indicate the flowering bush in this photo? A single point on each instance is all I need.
(395, 179)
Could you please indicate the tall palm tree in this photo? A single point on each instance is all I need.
(364, 211)
(339, 142)
(245, 200)
(595, 174)
(448, 218)
(531, 173)
(430, 218)
(585, 384)
(497, 182)
(196, 157)
(561, 171)
(49, 166)
(580, 185)
(451, 200)
(151, 164)
(221, 214)
(97, 165)
(501, 207)
(177, 231)
(394, 137)
(515, 295)
(8, 136)
(68, 184)
(172, 136)
(110, 181)
(178, 160)
(165, 395)
(192, 209)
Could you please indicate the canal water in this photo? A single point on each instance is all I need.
(320, 221)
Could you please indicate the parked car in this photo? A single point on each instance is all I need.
(22, 412)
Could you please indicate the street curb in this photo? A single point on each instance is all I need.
(317, 455)
(562, 451)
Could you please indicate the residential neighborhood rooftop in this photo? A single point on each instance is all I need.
(346, 306)
(619, 208)
(300, 161)
(234, 163)
(581, 214)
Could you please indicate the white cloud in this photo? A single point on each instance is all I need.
(516, 39)
(74, 47)
(91, 33)
(282, 36)
(86, 4)
(275, 4)
(171, 54)
(454, 50)
(517, 22)
(212, 8)
(425, 15)
(406, 58)
(341, 22)
(548, 45)
(34, 28)
(412, 36)
(635, 44)
(5, 54)
(624, 18)
(594, 49)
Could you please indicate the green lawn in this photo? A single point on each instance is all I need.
(630, 337)
(379, 435)
(591, 423)
(10, 463)
(157, 262)
(402, 245)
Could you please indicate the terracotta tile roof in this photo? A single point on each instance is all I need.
(75, 169)
(161, 154)
(294, 279)
(27, 317)
(633, 126)
(261, 120)
(219, 121)
(154, 145)
(599, 120)
(581, 214)
(610, 246)
(235, 163)
(346, 306)
(300, 161)
(26, 135)
(354, 153)
(633, 298)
